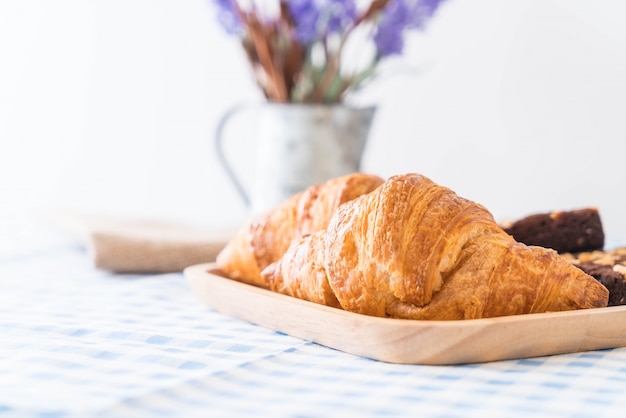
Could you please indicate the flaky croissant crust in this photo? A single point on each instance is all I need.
(413, 249)
(265, 238)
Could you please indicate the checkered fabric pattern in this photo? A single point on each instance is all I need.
(78, 342)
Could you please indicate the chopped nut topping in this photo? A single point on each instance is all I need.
(620, 268)
(613, 257)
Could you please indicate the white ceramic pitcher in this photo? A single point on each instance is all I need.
(298, 145)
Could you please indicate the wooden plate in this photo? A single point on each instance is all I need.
(410, 341)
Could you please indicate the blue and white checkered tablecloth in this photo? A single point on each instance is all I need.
(80, 342)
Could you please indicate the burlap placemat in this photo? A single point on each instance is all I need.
(138, 246)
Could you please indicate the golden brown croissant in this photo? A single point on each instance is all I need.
(413, 249)
(266, 238)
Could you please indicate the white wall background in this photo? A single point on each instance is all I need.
(109, 107)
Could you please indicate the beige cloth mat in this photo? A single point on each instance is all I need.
(136, 246)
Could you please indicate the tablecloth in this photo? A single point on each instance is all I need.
(77, 341)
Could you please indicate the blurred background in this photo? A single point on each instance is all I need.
(110, 106)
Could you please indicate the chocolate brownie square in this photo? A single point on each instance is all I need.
(608, 267)
(564, 231)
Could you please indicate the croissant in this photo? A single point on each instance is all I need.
(413, 249)
(266, 238)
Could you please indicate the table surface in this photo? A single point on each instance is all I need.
(77, 341)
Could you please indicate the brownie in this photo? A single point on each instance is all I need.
(564, 231)
(608, 267)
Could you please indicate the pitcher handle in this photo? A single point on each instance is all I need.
(219, 131)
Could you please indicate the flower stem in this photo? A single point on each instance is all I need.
(334, 64)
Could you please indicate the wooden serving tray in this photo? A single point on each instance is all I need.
(411, 341)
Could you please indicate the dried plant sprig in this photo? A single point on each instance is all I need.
(332, 71)
(296, 54)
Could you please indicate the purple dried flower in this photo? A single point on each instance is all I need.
(281, 37)
(317, 18)
(421, 11)
(389, 37)
(341, 14)
(305, 15)
(397, 17)
(227, 16)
